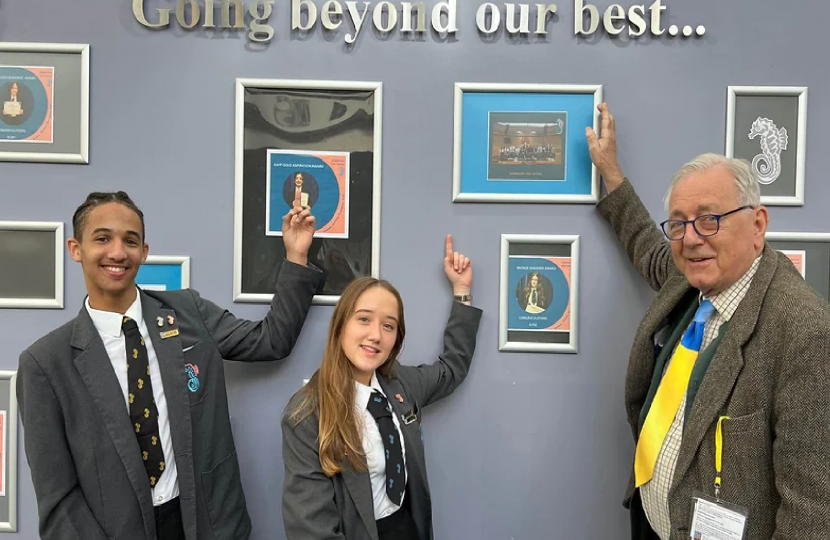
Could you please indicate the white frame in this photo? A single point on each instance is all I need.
(458, 113)
(797, 236)
(181, 260)
(239, 151)
(801, 152)
(11, 453)
(45, 303)
(57, 48)
(504, 293)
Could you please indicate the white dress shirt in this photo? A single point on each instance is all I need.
(108, 325)
(373, 447)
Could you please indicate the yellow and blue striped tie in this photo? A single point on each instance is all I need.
(669, 396)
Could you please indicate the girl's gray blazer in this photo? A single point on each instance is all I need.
(316, 507)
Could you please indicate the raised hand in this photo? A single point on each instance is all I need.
(603, 149)
(458, 268)
(298, 228)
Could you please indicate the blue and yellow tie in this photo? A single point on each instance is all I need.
(669, 396)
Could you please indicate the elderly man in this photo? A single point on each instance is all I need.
(728, 386)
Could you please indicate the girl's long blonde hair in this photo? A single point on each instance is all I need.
(330, 393)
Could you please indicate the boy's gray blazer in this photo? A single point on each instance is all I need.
(85, 461)
(316, 507)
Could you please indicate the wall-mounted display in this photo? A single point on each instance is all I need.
(8, 451)
(767, 126)
(164, 273)
(31, 264)
(321, 139)
(809, 253)
(538, 293)
(44, 93)
(524, 143)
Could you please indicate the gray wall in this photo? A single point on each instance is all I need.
(532, 446)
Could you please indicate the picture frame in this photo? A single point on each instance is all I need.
(524, 143)
(44, 102)
(810, 254)
(164, 273)
(31, 264)
(8, 451)
(767, 126)
(322, 138)
(534, 315)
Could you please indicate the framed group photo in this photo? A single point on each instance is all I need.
(524, 143)
(164, 273)
(31, 264)
(319, 141)
(538, 293)
(767, 126)
(809, 253)
(44, 94)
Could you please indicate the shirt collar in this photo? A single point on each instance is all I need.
(726, 302)
(109, 322)
(363, 392)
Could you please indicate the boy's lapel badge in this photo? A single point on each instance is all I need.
(192, 372)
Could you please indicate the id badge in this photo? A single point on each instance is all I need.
(714, 519)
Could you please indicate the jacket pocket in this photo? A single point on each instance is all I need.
(754, 422)
(225, 499)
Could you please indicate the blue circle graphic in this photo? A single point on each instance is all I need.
(329, 190)
(33, 100)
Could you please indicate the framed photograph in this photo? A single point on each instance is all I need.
(538, 293)
(767, 126)
(44, 92)
(809, 253)
(320, 140)
(8, 452)
(524, 143)
(31, 264)
(164, 273)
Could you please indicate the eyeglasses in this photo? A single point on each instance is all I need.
(706, 225)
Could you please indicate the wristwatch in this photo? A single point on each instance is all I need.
(463, 297)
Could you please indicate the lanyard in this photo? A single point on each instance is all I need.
(719, 454)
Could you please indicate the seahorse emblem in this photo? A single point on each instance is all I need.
(767, 164)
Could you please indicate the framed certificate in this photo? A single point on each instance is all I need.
(539, 293)
(320, 140)
(809, 253)
(44, 94)
(8, 451)
(164, 273)
(31, 264)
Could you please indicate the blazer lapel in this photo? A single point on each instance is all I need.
(360, 489)
(94, 366)
(168, 347)
(726, 365)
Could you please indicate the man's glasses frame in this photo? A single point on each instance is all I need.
(706, 220)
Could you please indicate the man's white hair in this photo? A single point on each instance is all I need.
(748, 191)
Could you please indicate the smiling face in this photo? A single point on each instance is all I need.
(298, 180)
(110, 251)
(371, 332)
(714, 263)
